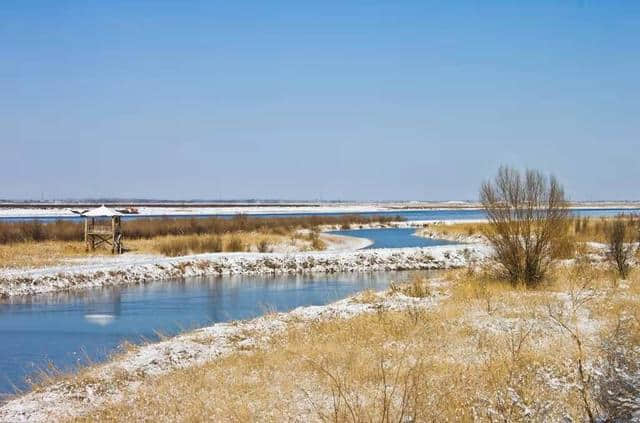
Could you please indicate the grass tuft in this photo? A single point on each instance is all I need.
(418, 287)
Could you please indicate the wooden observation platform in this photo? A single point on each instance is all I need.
(103, 226)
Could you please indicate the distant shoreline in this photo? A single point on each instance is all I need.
(35, 210)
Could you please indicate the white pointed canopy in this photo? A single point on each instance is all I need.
(102, 211)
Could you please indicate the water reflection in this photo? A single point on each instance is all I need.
(68, 329)
(394, 238)
(100, 319)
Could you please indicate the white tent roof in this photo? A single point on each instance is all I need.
(102, 212)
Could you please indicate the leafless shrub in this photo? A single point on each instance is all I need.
(620, 246)
(528, 216)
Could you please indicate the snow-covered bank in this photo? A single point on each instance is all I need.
(135, 269)
(119, 378)
(53, 212)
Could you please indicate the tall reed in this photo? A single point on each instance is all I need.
(145, 228)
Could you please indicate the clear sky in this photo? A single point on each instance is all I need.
(316, 100)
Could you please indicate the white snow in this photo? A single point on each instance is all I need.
(67, 398)
(133, 269)
(102, 211)
(53, 212)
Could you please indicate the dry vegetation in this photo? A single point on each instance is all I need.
(579, 229)
(528, 216)
(29, 244)
(146, 228)
(179, 245)
(523, 338)
(46, 253)
(490, 351)
(35, 254)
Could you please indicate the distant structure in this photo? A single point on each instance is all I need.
(103, 226)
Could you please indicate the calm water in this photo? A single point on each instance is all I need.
(65, 329)
(408, 215)
(394, 238)
(68, 329)
(71, 328)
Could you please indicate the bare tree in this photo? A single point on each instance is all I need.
(620, 245)
(528, 216)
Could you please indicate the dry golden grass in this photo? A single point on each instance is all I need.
(462, 229)
(47, 253)
(417, 286)
(34, 254)
(61, 230)
(32, 244)
(488, 352)
(192, 244)
(587, 230)
(367, 296)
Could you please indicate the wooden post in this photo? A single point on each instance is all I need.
(120, 235)
(86, 234)
(113, 234)
(92, 240)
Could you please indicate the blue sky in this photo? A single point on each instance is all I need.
(316, 100)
